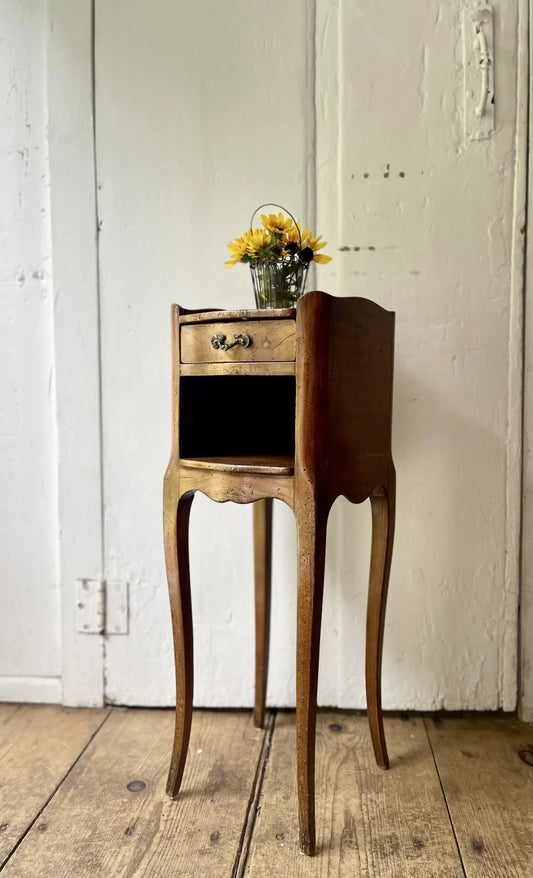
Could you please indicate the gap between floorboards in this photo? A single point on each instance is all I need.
(242, 860)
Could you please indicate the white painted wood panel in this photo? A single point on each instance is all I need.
(423, 222)
(37, 689)
(30, 655)
(206, 110)
(202, 115)
(76, 337)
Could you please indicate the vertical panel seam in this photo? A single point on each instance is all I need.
(508, 664)
(99, 320)
(525, 401)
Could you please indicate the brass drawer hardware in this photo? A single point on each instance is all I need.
(236, 341)
(217, 342)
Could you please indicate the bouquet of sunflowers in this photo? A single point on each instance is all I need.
(279, 255)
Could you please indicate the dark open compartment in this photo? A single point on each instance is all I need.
(227, 415)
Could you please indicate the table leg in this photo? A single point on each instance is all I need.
(262, 570)
(176, 529)
(311, 522)
(383, 512)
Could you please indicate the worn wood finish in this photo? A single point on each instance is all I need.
(304, 441)
(111, 816)
(262, 573)
(344, 377)
(361, 351)
(343, 447)
(6, 712)
(237, 487)
(259, 368)
(38, 746)
(176, 532)
(270, 340)
(311, 521)
(383, 503)
(370, 823)
(187, 316)
(251, 463)
(489, 791)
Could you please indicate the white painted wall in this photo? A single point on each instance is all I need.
(76, 335)
(30, 648)
(426, 224)
(202, 113)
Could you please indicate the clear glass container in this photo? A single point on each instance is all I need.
(278, 283)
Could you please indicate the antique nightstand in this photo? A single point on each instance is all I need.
(305, 399)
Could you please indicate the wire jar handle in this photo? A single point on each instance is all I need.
(273, 204)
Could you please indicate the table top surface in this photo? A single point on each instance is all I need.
(244, 314)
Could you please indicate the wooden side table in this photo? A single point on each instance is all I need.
(293, 404)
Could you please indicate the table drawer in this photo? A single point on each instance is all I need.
(265, 341)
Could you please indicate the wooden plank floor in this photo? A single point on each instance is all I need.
(82, 794)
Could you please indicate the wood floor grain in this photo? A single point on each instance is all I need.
(111, 816)
(82, 793)
(489, 792)
(38, 746)
(370, 822)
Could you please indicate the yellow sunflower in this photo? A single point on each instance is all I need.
(238, 249)
(280, 238)
(257, 240)
(315, 244)
(292, 235)
(276, 223)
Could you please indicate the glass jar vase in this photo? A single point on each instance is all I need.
(278, 283)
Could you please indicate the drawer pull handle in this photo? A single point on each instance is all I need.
(218, 342)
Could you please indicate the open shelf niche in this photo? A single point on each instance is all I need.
(238, 422)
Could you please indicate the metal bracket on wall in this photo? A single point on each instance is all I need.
(102, 607)
(478, 56)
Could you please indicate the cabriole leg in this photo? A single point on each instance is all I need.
(311, 524)
(176, 530)
(383, 511)
(262, 570)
